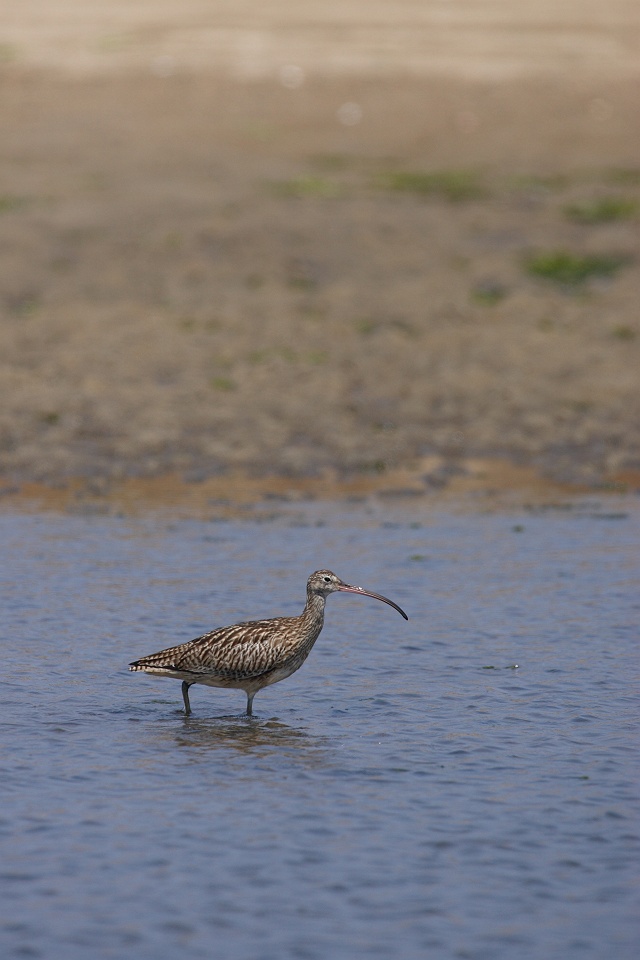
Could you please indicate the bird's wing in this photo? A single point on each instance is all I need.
(244, 649)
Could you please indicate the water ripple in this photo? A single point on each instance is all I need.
(409, 793)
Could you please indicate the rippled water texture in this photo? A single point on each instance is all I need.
(409, 793)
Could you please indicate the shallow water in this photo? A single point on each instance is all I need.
(409, 793)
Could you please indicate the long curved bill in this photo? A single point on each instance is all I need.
(346, 588)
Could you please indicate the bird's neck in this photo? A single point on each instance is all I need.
(313, 613)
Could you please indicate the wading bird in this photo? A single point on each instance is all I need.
(250, 656)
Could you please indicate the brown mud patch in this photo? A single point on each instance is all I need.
(432, 484)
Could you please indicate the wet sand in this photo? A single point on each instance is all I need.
(227, 278)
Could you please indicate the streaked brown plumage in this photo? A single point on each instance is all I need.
(250, 656)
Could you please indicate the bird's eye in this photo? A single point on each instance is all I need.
(327, 579)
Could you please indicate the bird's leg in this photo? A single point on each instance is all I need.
(185, 697)
(250, 697)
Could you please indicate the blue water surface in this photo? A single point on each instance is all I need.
(409, 793)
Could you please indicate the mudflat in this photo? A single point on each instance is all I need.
(350, 245)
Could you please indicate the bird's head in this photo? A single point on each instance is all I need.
(323, 582)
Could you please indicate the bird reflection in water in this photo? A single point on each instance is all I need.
(248, 737)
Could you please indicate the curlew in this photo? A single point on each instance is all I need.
(252, 655)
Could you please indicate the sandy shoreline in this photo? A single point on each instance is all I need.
(478, 40)
(205, 278)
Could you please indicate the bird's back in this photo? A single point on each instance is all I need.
(243, 650)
